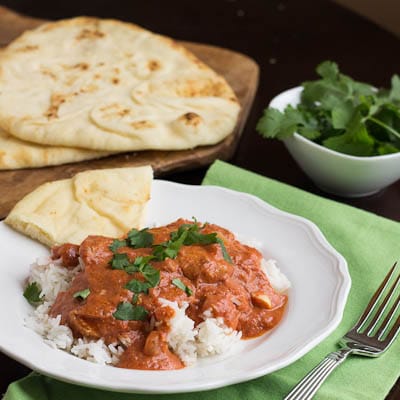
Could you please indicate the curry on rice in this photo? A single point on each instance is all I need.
(123, 293)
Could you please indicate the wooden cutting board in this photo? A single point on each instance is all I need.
(239, 70)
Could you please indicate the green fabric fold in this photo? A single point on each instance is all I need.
(370, 245)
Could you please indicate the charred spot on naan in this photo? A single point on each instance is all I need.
(142, 125)
(191, 119)
(83, 66)
(154, 65)
(55, 102)
(46, 71)
(114, 110)
(93, 32)
(27, 48)
(90, 34)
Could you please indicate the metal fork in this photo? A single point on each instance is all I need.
(368, 337)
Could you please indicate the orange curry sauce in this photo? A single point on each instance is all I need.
(239, 292)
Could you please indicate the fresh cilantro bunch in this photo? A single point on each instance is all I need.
(341, 114)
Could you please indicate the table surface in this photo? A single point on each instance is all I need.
(287, 38)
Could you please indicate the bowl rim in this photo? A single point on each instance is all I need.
(297, 90)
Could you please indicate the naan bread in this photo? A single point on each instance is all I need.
(16, 153)
(113, 86)
(105, 202)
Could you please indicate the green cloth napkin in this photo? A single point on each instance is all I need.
(370, 245)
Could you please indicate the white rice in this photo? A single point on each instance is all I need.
(97, 351)
(210, 337)
(214, 337)
(276, 278)
(53, 278)
(182, 335)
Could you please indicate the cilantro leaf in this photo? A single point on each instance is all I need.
(135, 298)
(195, 237)
(137, 286)
(394, 94)
(387, 148)
(179, 284)
(279, 125)
(171, 248)
(139, 239)
(159, 252)
(270, 123)
(82, 294)
(328, 70)
(151, 274)
(141, 261)
(189, 234)
(121, 261)
(32, 294)
(342, 113)
(356, 140)
(225, 253)
(129, 312)
(116, 244)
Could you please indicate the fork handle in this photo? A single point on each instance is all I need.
(307, 387)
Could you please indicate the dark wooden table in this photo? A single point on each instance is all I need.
(287, 38)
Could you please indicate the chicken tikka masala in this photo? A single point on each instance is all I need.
(117, 294)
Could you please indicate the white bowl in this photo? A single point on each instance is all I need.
(335, 172)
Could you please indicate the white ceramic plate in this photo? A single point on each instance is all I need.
(319, 277)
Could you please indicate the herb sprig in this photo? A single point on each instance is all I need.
(32, 293)
(341, 114)
(180, 285)
(187, 235)
(81, 294)
(130, 312)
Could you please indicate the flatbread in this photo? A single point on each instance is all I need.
(106, 202)
(16, 153)
(112, 86)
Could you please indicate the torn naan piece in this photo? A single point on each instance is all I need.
(105, 202)
(112, 86)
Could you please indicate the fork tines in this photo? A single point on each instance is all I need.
(377, 310)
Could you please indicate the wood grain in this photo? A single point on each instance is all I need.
(239, 70)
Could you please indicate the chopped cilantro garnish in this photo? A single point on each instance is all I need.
(121, 261)
(82, 294)
(162, 251)
(135, 298)
(129, 312)
(139, 239)
(151, 274)
(225, 253)
(32, 293)
(171, 248)
(141, 261)
(137, 286)
(116, 244)
(186, 235)
(179, 284)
